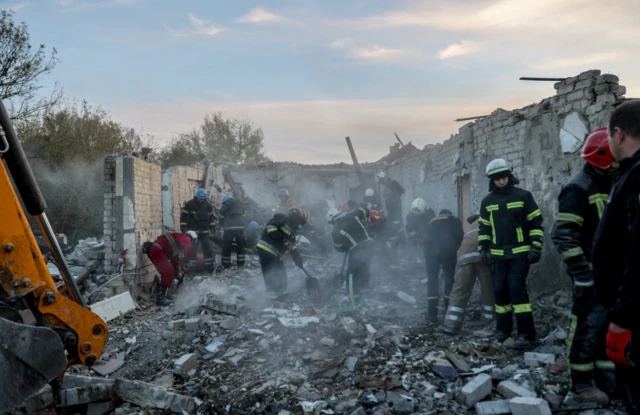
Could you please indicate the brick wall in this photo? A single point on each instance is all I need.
(111, 257)
(179, 184)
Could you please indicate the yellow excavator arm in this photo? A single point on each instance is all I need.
(65, 332)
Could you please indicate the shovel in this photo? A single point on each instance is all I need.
(313, 286)
(338, 279)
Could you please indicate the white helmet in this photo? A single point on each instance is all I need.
(332, 213)
(380, 175)
(419, 205)
(192, 234)
(497, 166)
(369, 193)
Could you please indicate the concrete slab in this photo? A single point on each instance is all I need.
(111, 308)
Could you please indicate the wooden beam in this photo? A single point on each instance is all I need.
(524, 78)
(398, 138)
(355, 159)
(471, 118)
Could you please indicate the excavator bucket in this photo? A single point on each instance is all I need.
(30, 358)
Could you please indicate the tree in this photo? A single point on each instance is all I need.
(217, 139)
(21, 69)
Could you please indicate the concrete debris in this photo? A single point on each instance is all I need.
(186, 365)
(475, 390)
(108, 367)
(84, 395)
(532, 359)
(113, 307)
(406, 297)
(192, 324)
(351, 363)
(493, 407)
(40, 400)
(147, 395)
(529, 406)
(370, 329)
(510, 389)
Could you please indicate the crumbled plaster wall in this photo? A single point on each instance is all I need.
(179, 184)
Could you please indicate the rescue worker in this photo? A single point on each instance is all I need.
(444, 235)
(286, 202)
(198, 216)
(350, 236)
(510, 241)
(232, 222)
(468, 268)
(581, 205)
(392, 196)
(277, 238)
(370, 201)
(253, 235)
(418, 220)
(616, 254)
(168, 254)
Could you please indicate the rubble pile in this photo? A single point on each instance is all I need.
(222, 349)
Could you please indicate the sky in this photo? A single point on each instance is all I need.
(311, 72)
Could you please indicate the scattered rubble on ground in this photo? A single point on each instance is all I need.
(221, 349)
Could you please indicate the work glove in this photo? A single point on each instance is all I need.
(485, 256)
(618, 344)
(297, 258)
(188, 266)
(583, 289)
(535, 253)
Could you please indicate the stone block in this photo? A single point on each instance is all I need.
(192, 324)
(510, 389)
(587, 83)
(607, 79)
(594, 73)
(70, 381)
(529, 406)
(576, 95)
(620, 91)
(475, 390)
(187, 363)
(40, 400)
(150, 396)
(534, 359)
(85, 394)
(565, 89)
(100, 408)
(493, 407)
(606, 98)
(229, 324)
(604, 88)
(112, 307)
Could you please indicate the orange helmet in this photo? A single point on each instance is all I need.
(298, 216)
(374, 217)
(596, 149)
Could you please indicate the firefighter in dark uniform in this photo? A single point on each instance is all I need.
(370, 201)
(581, 205)
(232, 222)
(253, 235)
(418, 220)
(350, 235)
(198, 216)
(392, 196)
(616, 255)
(278, 237)
(510, 239)
(444, 235)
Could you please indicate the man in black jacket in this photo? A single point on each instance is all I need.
(444, 235)
(616, 254)
(232, 222)
(392, 195)
(581, 205)
(509, 240)
(197, 215)
(418, 220)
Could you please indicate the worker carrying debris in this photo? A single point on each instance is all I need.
(392, 196)
(510, 240)
(168, 254)
(286, 202)
(351, 237)
(198, 216)
(418, 220)
(581, 205)
(468, 268)
(278, 237)
(444, 235)
(370, 201)
(232, 222)
(616, 254)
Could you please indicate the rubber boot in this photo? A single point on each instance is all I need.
(592, 394)
(523, 343)
(161, 298)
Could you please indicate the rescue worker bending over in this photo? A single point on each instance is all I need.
(468, 268)
(232, 222)
(253, 235)
(286, 202)
(370, 201)
(277, 238)
(418, 220)
(510, 240)
(616, 254)
(198, 216)
(581, 205)
(350, 236)
(392, 196)
(444, 235)
(167, 254)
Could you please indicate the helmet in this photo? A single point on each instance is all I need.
(192, 234)
(369, 193)
(596, 149)
(332, 214)
(419, 205)
(380, 175)
(226, 198)
(297, 216)
(253, 226)
(283, 193)
(497, 166)
(201, 194)
(374, 217)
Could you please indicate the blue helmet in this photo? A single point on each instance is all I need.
(283, 193)
(201, 194)
(226, 198)
(253, 226)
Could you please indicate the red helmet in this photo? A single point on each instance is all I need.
(374, 217)
(596, 149)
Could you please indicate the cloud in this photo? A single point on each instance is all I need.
(18, 6)
(261, 15)
(341, 43)
(371, 52)
(199, 27)
(578, 62)
(466, 47)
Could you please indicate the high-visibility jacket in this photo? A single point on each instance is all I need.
(277, 237)
(417, 223)
(510, 221)
(581, 204)
(468, 251)
(198, 216)
(444, 235)
(349, 230)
